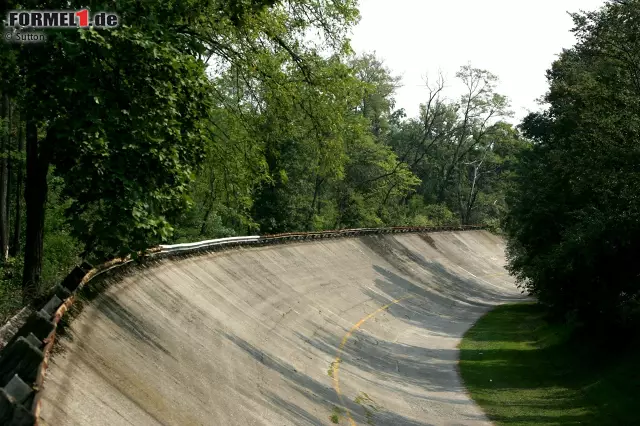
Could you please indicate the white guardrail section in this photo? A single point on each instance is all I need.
(208, 243)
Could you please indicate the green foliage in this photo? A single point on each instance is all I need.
(575, 213)
(60, 254)
(462, 151)
(61, 249)
(307, 142)
(127, 145)
(438, 215)
(377, 91)
(10, 288)
(122, 114)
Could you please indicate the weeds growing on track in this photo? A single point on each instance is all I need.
(336, 414)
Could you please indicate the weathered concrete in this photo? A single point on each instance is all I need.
(281, 335)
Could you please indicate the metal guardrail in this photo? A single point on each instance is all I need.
(25, 358)
(365, 231)
(206, 244)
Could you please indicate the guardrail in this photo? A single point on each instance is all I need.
(176, 248)
(25, 357)
(367, 231)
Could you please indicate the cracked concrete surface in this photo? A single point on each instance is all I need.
(284, 335)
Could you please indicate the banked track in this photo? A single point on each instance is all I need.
(356, 330)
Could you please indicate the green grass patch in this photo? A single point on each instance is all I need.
(523, 370)
(336, 414)
(332, 368)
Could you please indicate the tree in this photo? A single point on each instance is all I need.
(4, 177)
(486, 173)
(303, 131)
(449, 146)
(478, 108)
(18, 166)
(377, 91)
(118, 115)
(573, 228)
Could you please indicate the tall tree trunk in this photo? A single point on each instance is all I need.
(10, 166)
(385, 200)
(211, 200)
(4, 180)
(312, 208)
(35, 196)
(205, 219)
(15, 244)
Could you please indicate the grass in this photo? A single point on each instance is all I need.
(335, 416)
(332, 368)
(368, 405)
(523, 370)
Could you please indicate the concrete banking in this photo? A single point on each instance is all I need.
(356, 330)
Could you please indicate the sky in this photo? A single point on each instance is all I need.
(515, 39)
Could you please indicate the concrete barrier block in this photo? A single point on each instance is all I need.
(86, 266)
(13, 413)
(61, 292)
(38, 323)
(18, 389)
(52, 305)
(21, 358)
(34, 340)
(11, 328)
(74, 278)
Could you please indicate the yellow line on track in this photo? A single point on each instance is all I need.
(345, 339)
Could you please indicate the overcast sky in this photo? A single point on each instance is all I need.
(515, 39)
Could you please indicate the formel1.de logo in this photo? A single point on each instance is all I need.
(60, 19)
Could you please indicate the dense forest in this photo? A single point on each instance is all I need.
(574, 222)
(194, 120)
